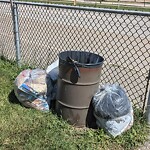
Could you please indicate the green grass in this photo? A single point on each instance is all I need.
(97, 5)
(29, 129)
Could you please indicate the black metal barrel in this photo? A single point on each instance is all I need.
(79, 76)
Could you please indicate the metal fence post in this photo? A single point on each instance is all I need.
(148, 102)
(148, 110)
(16, 31)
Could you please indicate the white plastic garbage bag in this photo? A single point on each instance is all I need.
(52, 66)
(112, 109)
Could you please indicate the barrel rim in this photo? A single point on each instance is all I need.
(86, 65)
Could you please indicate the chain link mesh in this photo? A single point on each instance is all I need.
(122, 39)
(7, 47)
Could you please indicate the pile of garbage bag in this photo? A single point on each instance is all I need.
(112, 109)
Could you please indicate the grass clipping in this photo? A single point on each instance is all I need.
(23, 128)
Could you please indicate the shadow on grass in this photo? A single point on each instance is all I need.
(12, 98)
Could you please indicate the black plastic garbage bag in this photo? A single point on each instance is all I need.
(111, 102)
(51, 80)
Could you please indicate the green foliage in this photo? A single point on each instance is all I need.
(23, 128)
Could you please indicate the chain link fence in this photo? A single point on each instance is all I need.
(121, 37)
(7, 47)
